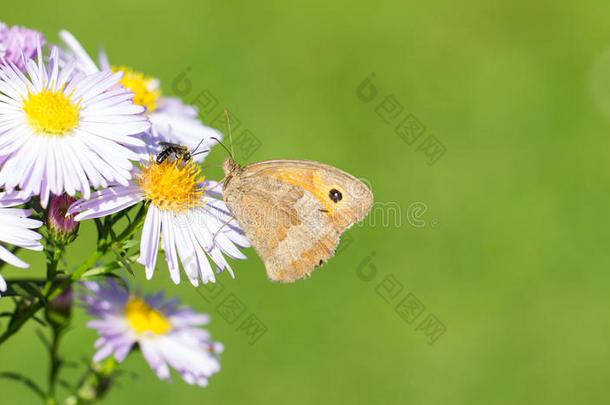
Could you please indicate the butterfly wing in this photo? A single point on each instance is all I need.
(293, 212)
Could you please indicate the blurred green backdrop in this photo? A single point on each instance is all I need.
(511, 256)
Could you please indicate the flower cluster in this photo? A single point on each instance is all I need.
(81, 140)
(71, 127)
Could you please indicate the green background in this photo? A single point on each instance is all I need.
(512, 257)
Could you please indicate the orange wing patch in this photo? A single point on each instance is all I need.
(309, 180)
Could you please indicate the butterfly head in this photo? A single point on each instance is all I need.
(230, 166)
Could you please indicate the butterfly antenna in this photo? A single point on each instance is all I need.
(230, 136)
(224, 146)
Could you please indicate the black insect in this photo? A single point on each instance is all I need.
(180, 151)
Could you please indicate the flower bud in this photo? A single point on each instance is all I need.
(63, 228)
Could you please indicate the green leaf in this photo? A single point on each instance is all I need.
(43, 339)
(24, 288)
(24, 380)
(129, 243)
(98, 271)
(39, 321)
(124, 263)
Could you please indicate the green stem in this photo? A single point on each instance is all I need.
(52, 270)
(54, 365)
(53, 255)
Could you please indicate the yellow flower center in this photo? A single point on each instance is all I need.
(143, 318)
(51, 112)
(147, 92)
(172, 185)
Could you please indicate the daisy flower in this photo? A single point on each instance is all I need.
(167, 335)
(171, 120)
(61, 131)
(184, 211)
(18, 42)
(16, 229)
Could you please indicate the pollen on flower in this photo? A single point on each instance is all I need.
(142, 318)
(172, 185)
(51, 112)
(146, 89)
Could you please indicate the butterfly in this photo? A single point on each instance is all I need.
(293, 211)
